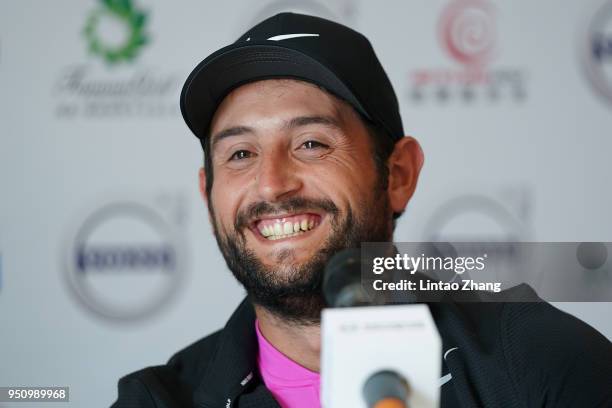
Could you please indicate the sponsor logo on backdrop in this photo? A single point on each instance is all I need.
(597, 51)
(125, 259)
(132, 21)
(114, 79)
(500, 217)
(467, 34)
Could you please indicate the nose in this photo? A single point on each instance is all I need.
(277, 177)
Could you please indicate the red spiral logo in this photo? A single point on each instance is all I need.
(467, 29)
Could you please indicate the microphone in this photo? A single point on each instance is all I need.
(368, 353)
(386, 389)
(344, 285)
(342, 280)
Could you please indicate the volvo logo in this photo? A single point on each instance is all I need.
(124, 260)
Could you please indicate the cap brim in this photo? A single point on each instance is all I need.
(233, 66)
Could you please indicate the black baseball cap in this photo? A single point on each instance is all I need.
(297, 46)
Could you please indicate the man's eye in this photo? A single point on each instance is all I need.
(240, 154)
(311, 144)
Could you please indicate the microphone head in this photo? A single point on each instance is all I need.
(342, 279)
(384, 387)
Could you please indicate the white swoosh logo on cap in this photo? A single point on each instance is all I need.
(287, 36)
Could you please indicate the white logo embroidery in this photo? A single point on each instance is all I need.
(287, 36)
(444, 379)
(450, 351)
(246, 379)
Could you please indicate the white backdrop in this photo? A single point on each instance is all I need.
(107, 260)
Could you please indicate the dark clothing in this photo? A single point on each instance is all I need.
(497, 355)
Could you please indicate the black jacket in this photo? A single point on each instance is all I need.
(495, 355)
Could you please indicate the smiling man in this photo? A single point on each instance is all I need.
(293, 180)
(305, 155)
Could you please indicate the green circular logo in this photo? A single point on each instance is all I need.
(131, 20)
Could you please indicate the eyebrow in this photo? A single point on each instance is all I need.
(294, 123)
(233, 131)
(328, 121)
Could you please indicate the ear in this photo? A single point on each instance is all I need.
(404, 164)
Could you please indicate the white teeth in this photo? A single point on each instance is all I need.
(278, 230)
(293, 234)
(287, 229)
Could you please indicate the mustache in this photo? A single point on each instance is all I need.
(294, 204)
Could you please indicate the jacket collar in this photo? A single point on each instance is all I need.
(233, 367)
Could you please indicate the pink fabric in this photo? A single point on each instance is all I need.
(292, 385)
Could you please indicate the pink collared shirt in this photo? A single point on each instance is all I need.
(292, 385)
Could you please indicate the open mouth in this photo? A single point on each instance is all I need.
(287, 226)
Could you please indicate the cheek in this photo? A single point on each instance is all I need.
(347, 188)
(348, 176)
(225, 200)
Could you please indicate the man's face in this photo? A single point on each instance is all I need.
(294, 182)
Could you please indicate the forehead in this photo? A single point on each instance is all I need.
(276, 101)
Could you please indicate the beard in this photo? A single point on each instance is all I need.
(288, 289)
